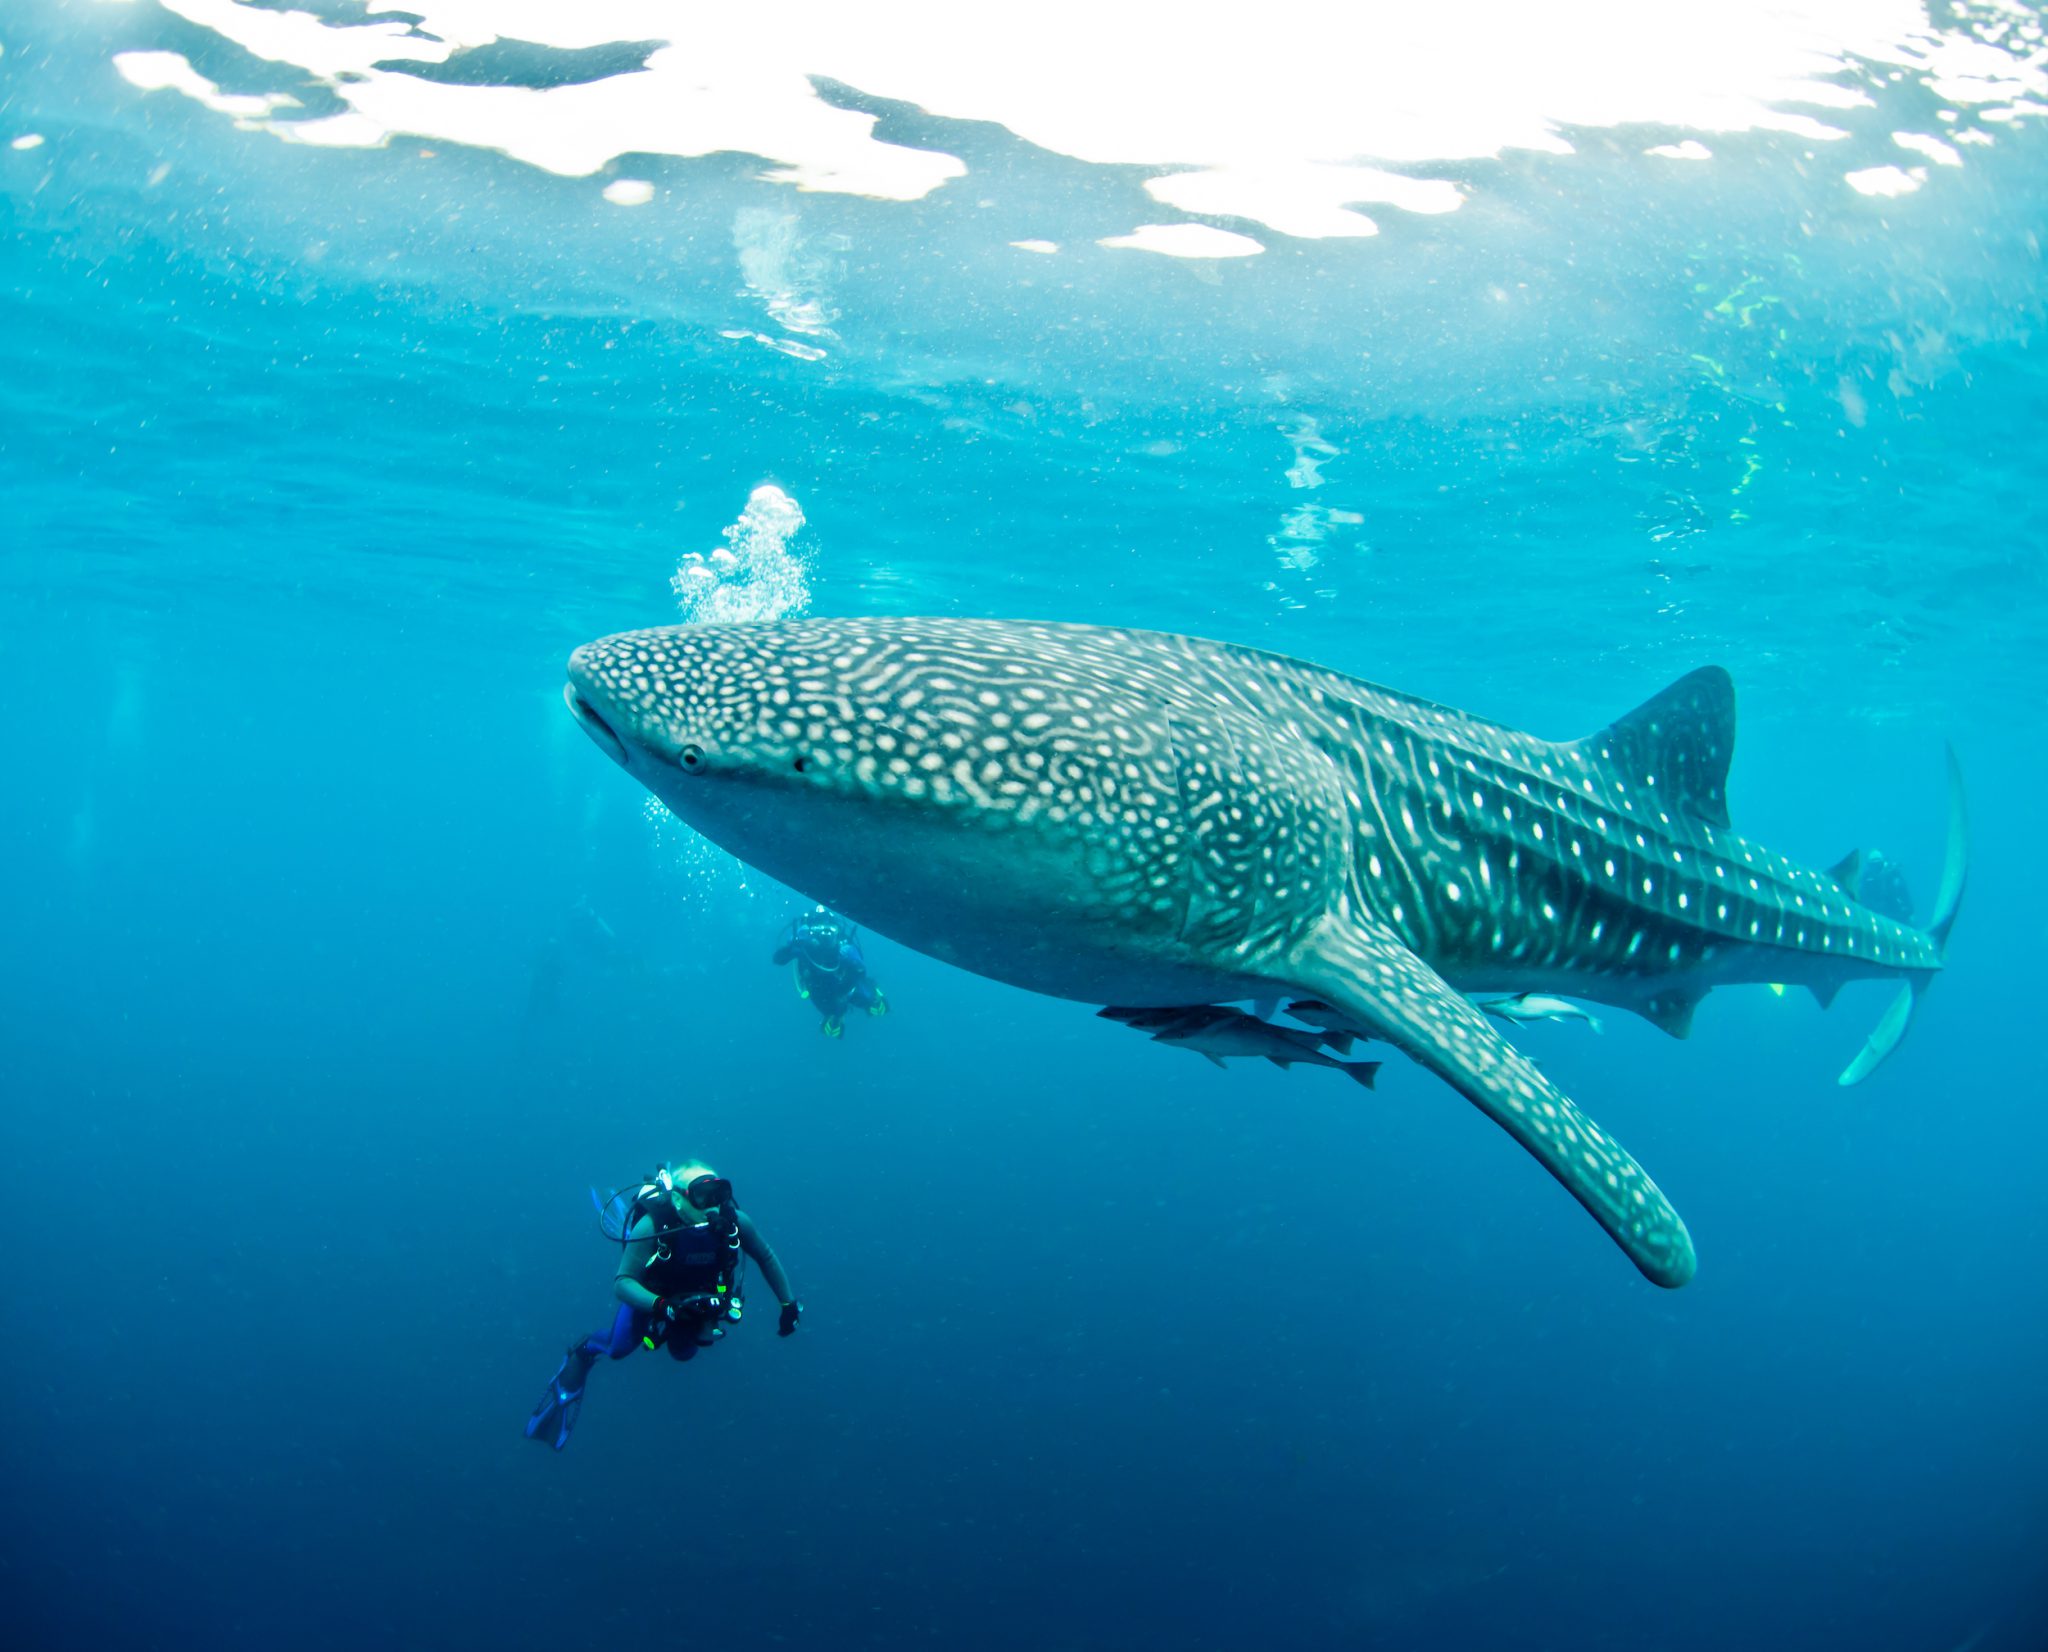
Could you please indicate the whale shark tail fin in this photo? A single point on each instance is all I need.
(1955, 868)
(1384, 990)
(1955, 873)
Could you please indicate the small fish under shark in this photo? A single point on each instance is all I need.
(1148, 820)
(1219, 1032)
(1523, 1007)
(1514, 1007)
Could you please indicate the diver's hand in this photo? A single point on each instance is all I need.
(791, 1313)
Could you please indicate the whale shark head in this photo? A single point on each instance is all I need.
(715, 720)
(940, 781)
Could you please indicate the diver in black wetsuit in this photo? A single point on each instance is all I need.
(678, 1282)
(830, 971)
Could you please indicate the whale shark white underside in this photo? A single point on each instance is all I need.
(1136, 818)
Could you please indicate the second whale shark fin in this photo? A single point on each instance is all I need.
(1955, 873)
(1884, 1037)
(1955, 869)
(1679, 742)
(1875, 882)
(1389, 992)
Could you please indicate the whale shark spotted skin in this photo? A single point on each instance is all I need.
(1142, 819)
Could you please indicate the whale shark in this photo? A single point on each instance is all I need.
(1141, 819)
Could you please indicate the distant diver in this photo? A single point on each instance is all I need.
(682, 1241)
(830, 971)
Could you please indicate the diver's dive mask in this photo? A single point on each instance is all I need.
(708, 1192)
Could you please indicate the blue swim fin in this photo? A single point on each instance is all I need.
(562, 1404)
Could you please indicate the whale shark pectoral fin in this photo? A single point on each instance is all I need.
(1392, 994)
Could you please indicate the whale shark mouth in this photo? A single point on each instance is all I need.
(595, 726)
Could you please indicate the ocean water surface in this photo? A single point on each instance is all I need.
(357, 363)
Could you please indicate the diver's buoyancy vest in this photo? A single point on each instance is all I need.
(694, 1256)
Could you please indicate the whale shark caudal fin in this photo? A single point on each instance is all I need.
(1387, 991)
(1955, 873)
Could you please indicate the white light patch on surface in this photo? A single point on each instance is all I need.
(1312, 201)
(169, 71)
(1036, 246)
(1885, 180)
(1933, 148)
(629, 192)
(1185, 241)
(28, 140)
(1690, 150)
(731, 83)
(1240, 118)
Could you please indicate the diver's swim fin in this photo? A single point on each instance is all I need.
(562, 1404)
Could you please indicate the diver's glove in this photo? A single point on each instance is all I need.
(791, 1313)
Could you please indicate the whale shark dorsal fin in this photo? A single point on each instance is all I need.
(1681, 741)
(1388, 992)
(1848, 872)
(1875, 882)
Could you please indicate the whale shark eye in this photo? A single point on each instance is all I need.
(692, 759)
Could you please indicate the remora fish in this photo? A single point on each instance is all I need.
(1324, 1018)
(1520, 1007)
(1217, 1032)
(1155, 1019)
(1132, 817)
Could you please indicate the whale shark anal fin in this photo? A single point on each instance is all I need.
(1670, 1012)
(1390, 993)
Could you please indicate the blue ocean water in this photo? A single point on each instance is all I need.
(337, 963)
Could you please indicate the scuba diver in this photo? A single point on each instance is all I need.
(830, 971)
(682, 1243)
